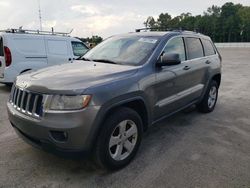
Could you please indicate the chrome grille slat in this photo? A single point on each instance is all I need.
(27, 102)
(22, 99)
(15, 95)
(18, 96)
(12, 94)
(35, 105)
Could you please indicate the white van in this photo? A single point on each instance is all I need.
(27, 50)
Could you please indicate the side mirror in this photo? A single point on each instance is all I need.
(168, 59)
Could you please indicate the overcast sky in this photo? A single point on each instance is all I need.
(97, 17)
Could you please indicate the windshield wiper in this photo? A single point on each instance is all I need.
(104, 61)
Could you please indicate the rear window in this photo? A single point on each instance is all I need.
(194, 48)
(208, 47)
(1, 46)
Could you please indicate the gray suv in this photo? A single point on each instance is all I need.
(102, 103)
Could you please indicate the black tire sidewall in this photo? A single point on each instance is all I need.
(203, 106)
(103, 144)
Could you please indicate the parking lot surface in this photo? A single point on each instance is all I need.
(189, 149)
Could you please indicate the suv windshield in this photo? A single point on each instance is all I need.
(123, 50)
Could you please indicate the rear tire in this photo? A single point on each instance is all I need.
(119, 139)
(210, 98)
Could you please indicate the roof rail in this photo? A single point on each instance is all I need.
(157, 29)
(164, 29)
(28, 31)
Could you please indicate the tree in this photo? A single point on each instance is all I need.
(244, 14)
(164, 20)
(229, 23)
(213, 11)
(150, 22)
(94, 39)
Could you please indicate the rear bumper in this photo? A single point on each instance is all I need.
(9, 75)
(77, 126)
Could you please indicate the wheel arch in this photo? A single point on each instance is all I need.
(217, 78)
(25, 70)
(137, 104)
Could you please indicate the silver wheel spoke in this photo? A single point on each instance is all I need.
(131, 131)
(114, 140)
(122, 141)
(128, 145)
(209, 102)
(212, 97)
(118, 152)
(122, 127)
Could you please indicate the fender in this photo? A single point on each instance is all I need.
(112, 104)
(207, 83)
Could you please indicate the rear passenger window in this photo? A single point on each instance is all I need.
(1, 47)
(57, 47)
(194, 48)
(176, 45)
(208, 47)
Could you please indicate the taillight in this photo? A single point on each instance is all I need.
(8, 58)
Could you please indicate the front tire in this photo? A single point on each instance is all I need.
(119, 139)
(210, 98)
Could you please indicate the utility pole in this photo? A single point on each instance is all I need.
(40, 15)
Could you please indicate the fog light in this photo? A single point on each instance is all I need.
(59, 136)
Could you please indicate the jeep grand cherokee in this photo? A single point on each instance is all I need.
(104, 101)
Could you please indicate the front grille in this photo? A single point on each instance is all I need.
(27, 102)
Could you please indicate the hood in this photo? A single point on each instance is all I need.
(74, 77)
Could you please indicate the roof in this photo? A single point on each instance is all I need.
(145, 34)
(159, 34)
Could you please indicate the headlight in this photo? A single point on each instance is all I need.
(66, 102)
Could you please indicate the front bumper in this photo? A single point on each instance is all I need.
(79, 126)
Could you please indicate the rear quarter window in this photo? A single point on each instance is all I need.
(194, 48)
(1, 46)
(208, 47)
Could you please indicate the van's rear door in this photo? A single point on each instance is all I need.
(2, 60)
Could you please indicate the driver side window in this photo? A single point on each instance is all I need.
(176, 45)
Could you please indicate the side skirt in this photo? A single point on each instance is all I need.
(174, 112)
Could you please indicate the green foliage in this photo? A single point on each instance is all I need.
(94, 39)
(229, 23)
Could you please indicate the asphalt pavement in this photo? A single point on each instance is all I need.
(189, 149)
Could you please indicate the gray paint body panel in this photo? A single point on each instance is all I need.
(162, 90)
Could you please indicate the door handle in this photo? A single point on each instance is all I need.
(186, 68)
(208, 62)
